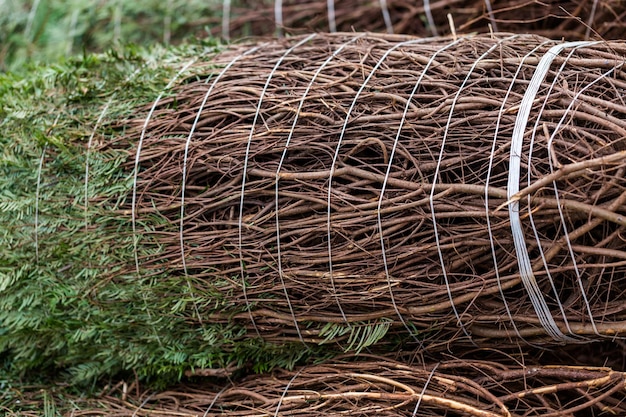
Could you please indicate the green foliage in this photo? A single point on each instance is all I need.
(69, 303)
(359, 335)
(45, 30)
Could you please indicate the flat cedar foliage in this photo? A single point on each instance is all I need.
(64, 311)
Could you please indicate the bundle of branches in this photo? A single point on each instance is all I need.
(311, 195)
(556, 19)
(375, 386)
(332, 187)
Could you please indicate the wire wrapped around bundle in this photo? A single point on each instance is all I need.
(555, 19)
(350, 188)
(379, 386)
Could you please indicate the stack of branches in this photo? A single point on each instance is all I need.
(343, 187)
(555, 19)
(376, 386)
